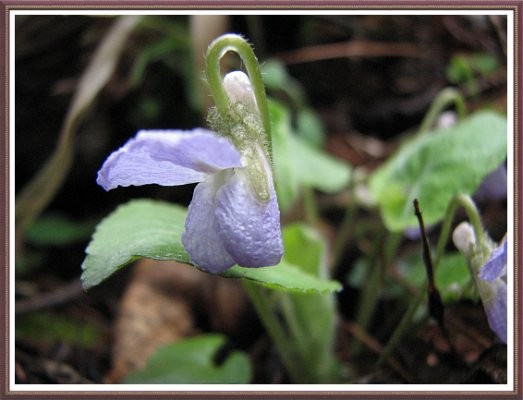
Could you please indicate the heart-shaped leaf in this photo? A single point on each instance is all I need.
(435, 167)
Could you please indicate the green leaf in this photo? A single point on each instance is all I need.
(317, 169)
(284, 276)
(310, 128)
(298, 164)
(276, 78)
(58, 230)
(153, 229)
(192, 361)
(435, 167)
(306, 248)
(484, 63)
(285, 173)
(140, 228)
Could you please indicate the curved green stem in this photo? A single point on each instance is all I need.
(217, 49)
(470, 208)
(446, 97)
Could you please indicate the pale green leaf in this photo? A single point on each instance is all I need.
(437, 166)
(298, 164)
(317, 169)
(306, 248)
(140, 228)
(285, 174)
(284, 276)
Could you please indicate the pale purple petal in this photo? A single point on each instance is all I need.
(168, 158)
(496, 310)
(202, 238)
(250, 228)
(496, 266)
(493, 290)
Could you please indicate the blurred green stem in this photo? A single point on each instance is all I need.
(446, 97)
(310, 206)
(403, 326)
(346, 226)
(371, 290)
(275, 330)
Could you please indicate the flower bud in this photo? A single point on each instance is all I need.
(464, 238)
(243, 126)
(239, 88)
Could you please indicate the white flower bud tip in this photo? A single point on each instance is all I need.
(464, 238)
(239, 88)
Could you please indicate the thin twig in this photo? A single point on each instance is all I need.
(354, 48)
(435, 303)
(59, 296)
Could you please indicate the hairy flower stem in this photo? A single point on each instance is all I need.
(217, 49)
(444, 99)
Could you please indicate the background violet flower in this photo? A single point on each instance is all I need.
(493, 291)
(490, 276)
(227, 223)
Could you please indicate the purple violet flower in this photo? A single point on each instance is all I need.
(494, 290)
(233, 217)
(226, 223)
(490, 276)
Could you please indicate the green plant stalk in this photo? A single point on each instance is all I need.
(314, 355)
(371, 290)
(274, 329)
(470, 208)
(217, 49)
(310, 205)
(446, 97)
(346, 227)
(402, 327)
(297, 340)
